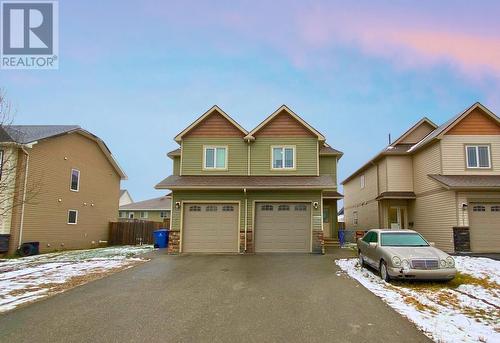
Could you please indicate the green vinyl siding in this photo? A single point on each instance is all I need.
(177, 165)
(252, 196)
(153, 215)
(306, 150)
(192, 155)
(328, 166)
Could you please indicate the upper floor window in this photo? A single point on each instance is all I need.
(283, 157)
(362, 181)
(478, 156)
(75, 180)
(215, 157)
(355, 218)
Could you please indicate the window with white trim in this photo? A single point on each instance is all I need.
(479, 208)
(123, 214)
(144, 214)
(362, 181)
(72, 217)
(283, 157)
(131, 215)
(75, 180)
(227, 208)
(478, 156)
(215, 157)
(355, 218)
(163, 214)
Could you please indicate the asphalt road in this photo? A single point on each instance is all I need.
(253, 298)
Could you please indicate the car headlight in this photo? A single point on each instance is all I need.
(443, 263)
(396, 261)
(405, 264)
(450, 262)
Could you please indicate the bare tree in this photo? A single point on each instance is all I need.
(13, 191)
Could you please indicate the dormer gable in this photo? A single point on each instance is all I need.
(284, 123)
(213, 123)
(416, 133)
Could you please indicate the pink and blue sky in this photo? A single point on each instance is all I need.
(137, 72)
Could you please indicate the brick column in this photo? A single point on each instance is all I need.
(317, 243)
(174, 242)
(249, 242)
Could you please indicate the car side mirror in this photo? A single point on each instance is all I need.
(373, 244)
(432, 244)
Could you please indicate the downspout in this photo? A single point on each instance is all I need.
(24, 197)
(246, 217)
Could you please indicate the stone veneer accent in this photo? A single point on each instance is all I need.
(318, 242)
(174, 242)
(249, 242)
(461, 238)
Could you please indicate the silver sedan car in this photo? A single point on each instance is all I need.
(404, 254)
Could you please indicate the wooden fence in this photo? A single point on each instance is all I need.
(133, 232)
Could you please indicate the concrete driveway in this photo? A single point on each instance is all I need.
(259, 298)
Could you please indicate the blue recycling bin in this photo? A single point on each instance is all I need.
(161, 238)
(342, 237)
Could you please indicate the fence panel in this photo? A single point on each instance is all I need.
(133, 232)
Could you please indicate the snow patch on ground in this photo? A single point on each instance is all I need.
(467, 313)
(27, 279)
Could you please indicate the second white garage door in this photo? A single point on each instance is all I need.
(282, 227)
(485, 227)
(210, 228)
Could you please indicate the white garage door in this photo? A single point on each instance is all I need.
(210, 228)
(283, 227)
(484, 227)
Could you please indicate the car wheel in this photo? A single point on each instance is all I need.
(361, 259)
(383, 272)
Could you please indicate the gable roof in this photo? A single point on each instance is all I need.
(421, 122)
(284, 108)
(441, 130)
(163, 203)
(213, 109)
(26, 134)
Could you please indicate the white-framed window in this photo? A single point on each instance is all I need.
(478, 156)
(72, 217)
(283, 157)
(215, 157)
(122, 214)
(163, 214)
(144, 214)
(362, 181)
(228, 208)
(131, 215)
(355, 218)
(194, 208)
(1, 163)
(75, 180)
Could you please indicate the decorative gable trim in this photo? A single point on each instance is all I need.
(471, 109)
(285, 109)
(214, 108)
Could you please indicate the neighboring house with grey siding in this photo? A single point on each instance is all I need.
(443, 181)
(70, 183)
(156, 210)
(273, 189)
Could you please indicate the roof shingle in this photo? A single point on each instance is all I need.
(467, 181)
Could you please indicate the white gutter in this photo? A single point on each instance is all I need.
(24, 197)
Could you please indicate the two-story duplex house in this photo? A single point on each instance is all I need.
(273, 189)
(60, 187)
(443, 181)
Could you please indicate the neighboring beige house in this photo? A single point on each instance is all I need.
(70, 182)
(125, 197)
(156, 210)
(441, 181)
(273, 189)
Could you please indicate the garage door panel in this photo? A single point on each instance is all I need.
(210, 228)
(484, 227)
(280, 227)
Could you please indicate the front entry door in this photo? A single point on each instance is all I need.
(326, 222)
(397, 218)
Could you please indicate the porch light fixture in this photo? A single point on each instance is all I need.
(464, 207)
(315, 205)
(177, 205)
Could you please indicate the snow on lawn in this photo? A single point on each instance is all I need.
(24, 280)
(466, 309)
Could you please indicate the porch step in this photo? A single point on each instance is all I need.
(329, 242)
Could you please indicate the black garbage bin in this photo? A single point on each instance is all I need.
(4, 243)
(29, 249)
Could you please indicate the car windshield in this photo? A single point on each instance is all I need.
(399, 239)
